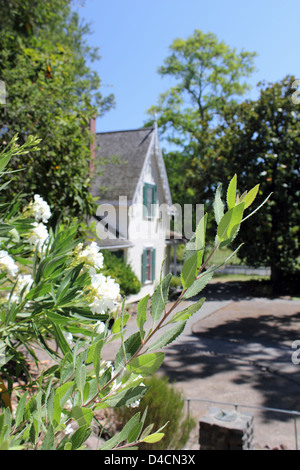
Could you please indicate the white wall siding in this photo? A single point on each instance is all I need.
(146, 232)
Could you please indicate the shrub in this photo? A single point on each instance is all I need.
(122, 273)
(164, 404)
(175, 281)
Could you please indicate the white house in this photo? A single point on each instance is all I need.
(134, 201)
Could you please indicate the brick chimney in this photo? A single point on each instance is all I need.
(93, 144)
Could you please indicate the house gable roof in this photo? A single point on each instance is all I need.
(125, 154)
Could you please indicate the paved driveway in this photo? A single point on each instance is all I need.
(238, 349)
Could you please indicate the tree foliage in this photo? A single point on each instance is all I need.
(261, 143)
(212, 135)
(207, 74)
(51, 93)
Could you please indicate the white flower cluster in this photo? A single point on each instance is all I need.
(39, 235)
(23, 282)
(40, 209)
(105, 292)
(99, 327)
(7, 263)
(90, 256)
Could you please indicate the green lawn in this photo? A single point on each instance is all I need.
(239, 277)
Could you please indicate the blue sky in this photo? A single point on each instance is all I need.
(133, 37)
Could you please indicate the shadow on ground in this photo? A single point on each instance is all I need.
(215, 359)
(237, 290)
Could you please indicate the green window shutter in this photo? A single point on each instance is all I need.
(153, 263)
(154, 194)
(144, 257)
(145, 199)
(154, 199)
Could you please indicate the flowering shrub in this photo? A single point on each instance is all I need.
(54, 294)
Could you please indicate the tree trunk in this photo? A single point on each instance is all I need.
(276, 276)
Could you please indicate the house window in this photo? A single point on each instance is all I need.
(149, 200)
(148, 265)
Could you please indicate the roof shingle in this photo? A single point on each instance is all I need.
(120, 178)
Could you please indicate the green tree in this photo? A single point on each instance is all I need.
(207, 75)
(51, 93)
(261, 143)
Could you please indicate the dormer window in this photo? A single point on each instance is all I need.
(149, 200)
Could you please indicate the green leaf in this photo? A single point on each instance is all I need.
(117, 324)
(200, 233)
(38, 291)
(56, 411)
(83, 416)
(64, 392)
(94, 350)
(5, 229)
(20, 409)
(187, 312)
(4, 445)
(126, 397)
(218, 205)
(67, 372)
(90, 390)
(134, 433)
(127, 350)
(146, 364)
(231, 192)
(4, 160)
(50, 406)
(198, 285)
(160, 298)
(58, 334)
(190, 269)
(80, 372)
(49, 265)
(112, 442)
(5, 424)
(190, 248)
(97, 358)
(68, 445)
(48, 442)
(142, 314)
(130, 426)
(80, 436)
(152, 438)
(257, 209)
(230, 222)
(168, 336)
(68, 281)
(146, 431)
(250, 196)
